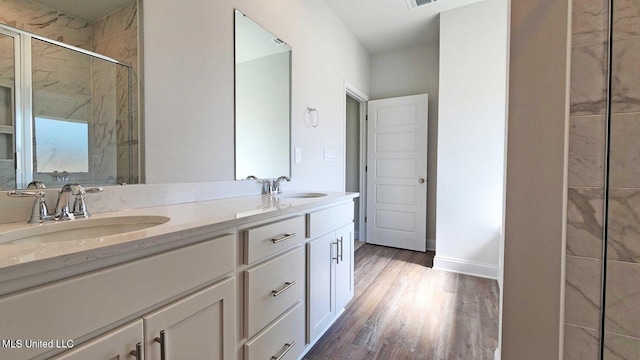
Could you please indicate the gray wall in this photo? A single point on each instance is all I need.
(535, 198)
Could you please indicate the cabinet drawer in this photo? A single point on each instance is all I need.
(322, 221)
(286, 334)
(77, 306)
(266, 240)
(271, 288)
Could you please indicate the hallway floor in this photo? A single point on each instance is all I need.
(403, 309)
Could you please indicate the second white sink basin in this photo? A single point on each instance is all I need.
(301, 195)
(79, 229)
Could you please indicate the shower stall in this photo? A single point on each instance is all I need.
(602, 292)
(66, 114)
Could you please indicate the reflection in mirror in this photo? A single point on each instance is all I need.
(82, 76)
(263, 101)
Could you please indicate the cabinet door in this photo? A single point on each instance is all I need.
(117, 344)
(344, 267)
(200, 326)
(321, 296)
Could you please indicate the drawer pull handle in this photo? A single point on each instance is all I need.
(287, 285)
(283, 238)
(163, 341)
(337, 258)
(137, 353)
(284, 352)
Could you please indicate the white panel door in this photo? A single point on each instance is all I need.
(397, 172)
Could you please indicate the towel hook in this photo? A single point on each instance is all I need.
(310, 112)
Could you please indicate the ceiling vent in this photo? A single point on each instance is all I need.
(415, 3)
(278, 41)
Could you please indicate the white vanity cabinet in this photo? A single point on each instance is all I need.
(163, 289)
(329, 266)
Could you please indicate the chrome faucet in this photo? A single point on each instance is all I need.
(272, 187)
(276, 184)
(79, 208)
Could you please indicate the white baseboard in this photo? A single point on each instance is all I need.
(466, 267)
(431, 244)
(496, 354)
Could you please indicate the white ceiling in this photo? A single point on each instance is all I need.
(252, 41)
(389, 25)
(90, 10)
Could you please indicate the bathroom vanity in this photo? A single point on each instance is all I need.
(243, 278)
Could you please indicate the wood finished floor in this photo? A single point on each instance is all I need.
(403, 309)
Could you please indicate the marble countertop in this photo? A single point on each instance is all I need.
(187, 220)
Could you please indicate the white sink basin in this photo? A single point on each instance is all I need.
(75, 230)
(301, 195)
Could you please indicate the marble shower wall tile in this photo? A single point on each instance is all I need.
(584, 222)
(624, 225)
(618, 347)
(626, 18)
(580, 343)
(586, 151)
(589, 21)
(116, 35)
(622, 309)
(582, 304)
(7, 62)
(624, 154)
(588, 79)
(41, 20)
(625, 82)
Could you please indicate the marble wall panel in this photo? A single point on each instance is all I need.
(626, 18)
(584, 222)
(580, 343)
(586, 150)
(618, 347)
(625, 82)
(41, 20)
(53, 104)
(622, 308)
(588, 79)
(582, 292)
(589, 21)
(624, 168)
(623, 242)
(7, 62)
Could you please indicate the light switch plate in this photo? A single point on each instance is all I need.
(329, 155)
(297, 155)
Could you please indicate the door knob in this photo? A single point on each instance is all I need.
(421, 180)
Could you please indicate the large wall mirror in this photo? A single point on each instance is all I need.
(69, 92)
(263, 102)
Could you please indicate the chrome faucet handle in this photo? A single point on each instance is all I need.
(276, 184)
(39, 211)
(62, 211)
(267, 186)
(79, 204)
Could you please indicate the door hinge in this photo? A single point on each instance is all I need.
(365, 219)
(366, 117)
(366, 168)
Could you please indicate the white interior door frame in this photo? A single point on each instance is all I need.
(362, 98)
